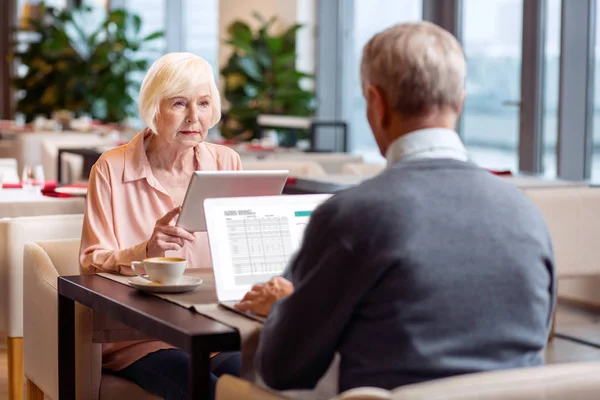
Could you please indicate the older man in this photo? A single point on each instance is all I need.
(431, 269)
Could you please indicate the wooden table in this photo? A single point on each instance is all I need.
(186, 329)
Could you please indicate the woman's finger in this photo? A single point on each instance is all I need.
(170, 239)
(168, 217)
(165, 246)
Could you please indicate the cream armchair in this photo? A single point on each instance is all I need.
(232, 388)
(71, 164)
(573, 218)
(579, 381)
(14, 233)
(298, 169)
(363, 169)
(44, 262)
(28, 147)
(332, 163)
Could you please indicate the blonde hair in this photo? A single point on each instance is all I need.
(419, 67)
(172, 75)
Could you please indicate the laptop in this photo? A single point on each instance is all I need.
(253, 239)
(206, 184)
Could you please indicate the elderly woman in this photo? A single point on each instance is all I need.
(135, 194)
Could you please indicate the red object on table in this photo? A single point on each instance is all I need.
(501, 172)
(50, 191)
(19, 185)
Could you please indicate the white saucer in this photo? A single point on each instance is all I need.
(185, 284)
(75, 191)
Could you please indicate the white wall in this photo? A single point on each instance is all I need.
(307, 36)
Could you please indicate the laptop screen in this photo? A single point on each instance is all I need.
(252, 239)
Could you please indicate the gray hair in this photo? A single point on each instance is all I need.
(419, 66)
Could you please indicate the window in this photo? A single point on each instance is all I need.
(595, 175)
(153, 15)
(371, 17)
(551, 86)
(201, 30)
(49, 3)
(27, 5)
(492, 44)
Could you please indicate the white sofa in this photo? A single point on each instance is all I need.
(580, 381)
(14, 233)
(44, 262)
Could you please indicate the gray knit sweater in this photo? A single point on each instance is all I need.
(433, 268)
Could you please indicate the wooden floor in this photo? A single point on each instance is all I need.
(558, 351)
(3, 370)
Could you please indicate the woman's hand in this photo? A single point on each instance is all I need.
(260, 298)
(166, 236)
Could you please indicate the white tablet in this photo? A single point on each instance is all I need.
(208, 184)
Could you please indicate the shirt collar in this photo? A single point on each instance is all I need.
(137, 165)
(427, 143)
(136, 161)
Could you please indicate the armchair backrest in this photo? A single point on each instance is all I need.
(300, 169)
(29, 147)
(63, 254)
(573, 218)
(362, 169)
(232, 388)
(14, 233)
(43, 263)
(550, 382)
(332, 163)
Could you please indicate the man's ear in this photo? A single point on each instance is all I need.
(379, 103)
(461, 104)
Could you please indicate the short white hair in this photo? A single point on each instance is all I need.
(172, 75)
(419, 66)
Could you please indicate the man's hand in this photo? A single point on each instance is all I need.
(261, 297)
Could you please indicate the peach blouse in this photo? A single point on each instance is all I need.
(123, 203)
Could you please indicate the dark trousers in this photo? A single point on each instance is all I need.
(165, 372)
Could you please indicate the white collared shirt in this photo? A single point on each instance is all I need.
(427, 143)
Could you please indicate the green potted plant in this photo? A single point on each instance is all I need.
(261, 77)
(65, 65)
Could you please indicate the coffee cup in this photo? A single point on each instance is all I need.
(163, 270)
